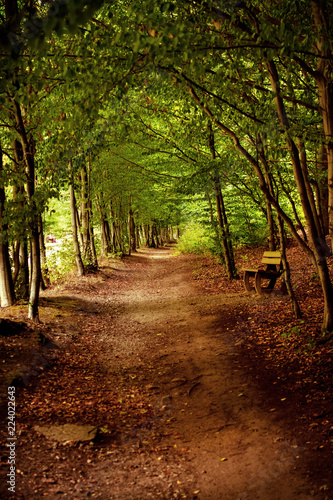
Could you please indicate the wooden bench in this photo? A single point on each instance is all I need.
(271, 269)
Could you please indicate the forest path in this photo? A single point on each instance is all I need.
(155, 365)
(236, 446)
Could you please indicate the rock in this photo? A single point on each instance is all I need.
(68, 432)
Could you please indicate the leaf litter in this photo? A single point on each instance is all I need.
(99, 379)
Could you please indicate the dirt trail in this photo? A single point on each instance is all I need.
(212, 433)
(236, 448)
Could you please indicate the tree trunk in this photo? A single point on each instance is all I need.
(145, 231)
(45, 272)
(317, 244)
(85, 214)
(287, 192)
(216, 229)
(94, 261)
(105, 246)
(323, 76)
(303, 162)
(104, 228)
(131, 231)
(321, 189)
(23, 276)
(138, 236)
(286, 272)
(155, 236)
(221, 214)
(7, 296)
(224, 233)
(77, 251)
(35, 275)
(269, 182)
(28, 156)
(16, 255)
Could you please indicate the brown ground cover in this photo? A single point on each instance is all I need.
(194, 388)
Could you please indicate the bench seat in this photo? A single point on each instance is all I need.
(272, 271)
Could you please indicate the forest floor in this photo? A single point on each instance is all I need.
(191, 387)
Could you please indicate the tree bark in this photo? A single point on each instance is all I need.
(45, 272)
(323, 77)
(317, 243)
(321, 189)
(28, 157)
(7, 296)
(85, 213)
(216, 229)
(269, 183)
(77, 251)
(23, 276)
(221, 214)
(131, 231)
(286, 272)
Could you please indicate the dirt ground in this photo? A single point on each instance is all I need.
(160, 369)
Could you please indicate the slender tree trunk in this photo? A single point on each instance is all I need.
(131, 231)
(286, 190)
(323, 76)
(7, 296)
(155, 235)
(145, 231)
(286, 272)
(269, 182)
(35, 276)
(105, 248)
(104, 228)
(322, 189)
(216, 229)
(92, 246)
(21, 274)
(77, 251)
(85, 213)
(16, 254)
(303, 162)
(24, 271)
(78, 227)
(317, 244)
(45, 272)
(225, 237)
(74, 218)
(221, 214)
(113, 237)
(28, 156)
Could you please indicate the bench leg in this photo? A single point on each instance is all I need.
(268, 289)
(247, 284)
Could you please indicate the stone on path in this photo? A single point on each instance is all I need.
(68, 432)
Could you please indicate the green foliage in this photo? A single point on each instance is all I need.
(194, 239)
(60, 259)
(57, 218)
(293, 331)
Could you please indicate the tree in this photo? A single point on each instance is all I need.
(7, 296)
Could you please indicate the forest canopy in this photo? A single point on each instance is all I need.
(144, 117)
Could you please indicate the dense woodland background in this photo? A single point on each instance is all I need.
(133, 123)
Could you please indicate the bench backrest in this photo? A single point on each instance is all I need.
(272, 258)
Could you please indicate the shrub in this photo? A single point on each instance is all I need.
(195, 239)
